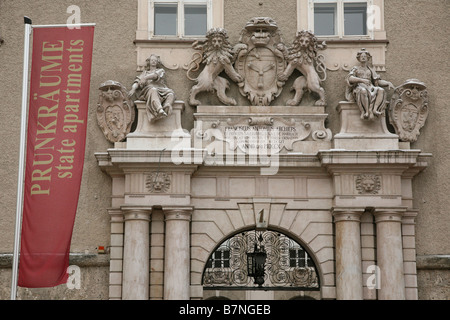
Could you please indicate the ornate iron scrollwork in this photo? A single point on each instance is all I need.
(287, 265)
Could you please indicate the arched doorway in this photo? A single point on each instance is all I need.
(286, 269)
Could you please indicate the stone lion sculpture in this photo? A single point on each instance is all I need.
(303, 56)
(217, 56)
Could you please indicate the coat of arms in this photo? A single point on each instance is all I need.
(409, 109)
(260, 58)
(115, 112)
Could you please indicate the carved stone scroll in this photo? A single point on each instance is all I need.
(408, 109)
(115, 111)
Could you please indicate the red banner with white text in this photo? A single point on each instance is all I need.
(56, 139)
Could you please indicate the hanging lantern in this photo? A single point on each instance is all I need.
(256, 261)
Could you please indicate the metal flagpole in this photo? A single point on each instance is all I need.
(20, 179)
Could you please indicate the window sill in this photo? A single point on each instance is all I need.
(167, 40)
(354, 41)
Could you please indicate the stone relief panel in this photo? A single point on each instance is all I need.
(408, 109)
(260, 64)
(368, 184)
(158, 182)
(115, 111)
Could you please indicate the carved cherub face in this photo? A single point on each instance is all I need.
(109, 95)
(414, 93)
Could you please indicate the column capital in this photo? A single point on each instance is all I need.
(177, 213)
(409, 217)
(136, 213)
(347, 214)
(115, 214)
(388, 214)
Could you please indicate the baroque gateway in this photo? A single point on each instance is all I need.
(260, 196)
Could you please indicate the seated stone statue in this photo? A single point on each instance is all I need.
(364, 86)
(153, 90)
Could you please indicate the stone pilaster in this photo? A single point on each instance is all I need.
(116, 254)
(348, 254)
(409, 254)
(177, 253)
(136, 254)
(390, 254)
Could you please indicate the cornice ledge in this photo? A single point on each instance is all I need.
(433, 262)
(377, 157)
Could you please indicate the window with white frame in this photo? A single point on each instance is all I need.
(179, 18)
(340, 18)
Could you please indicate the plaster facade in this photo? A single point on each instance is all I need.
(340, 205)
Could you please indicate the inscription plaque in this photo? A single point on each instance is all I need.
(264, 137)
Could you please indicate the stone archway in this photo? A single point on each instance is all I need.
(289, 269)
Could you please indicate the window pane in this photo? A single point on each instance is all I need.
(292, 253)
(195, 20)
(301, 262)
(165, 19)
(355, 15)
(324, 19)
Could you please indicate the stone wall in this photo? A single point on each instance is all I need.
(414, 51)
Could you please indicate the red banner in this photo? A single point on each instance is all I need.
(57, 122)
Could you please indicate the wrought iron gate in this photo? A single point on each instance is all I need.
(287, 265)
